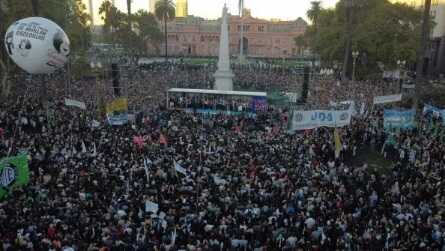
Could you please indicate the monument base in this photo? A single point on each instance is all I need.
(223, 80)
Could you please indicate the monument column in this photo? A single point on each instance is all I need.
(224, 76)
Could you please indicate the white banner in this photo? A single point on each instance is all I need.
(180, 169)
(72, 102)
(303, 120)
(351, 104)
(151, 207)
(387, 99)
(293, 96)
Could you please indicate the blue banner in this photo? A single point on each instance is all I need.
(395, 119)
(258, 104)
(435, 111)
(117, 119)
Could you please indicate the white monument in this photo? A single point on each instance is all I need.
(223, 76)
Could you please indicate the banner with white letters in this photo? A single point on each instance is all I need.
(399, 119)
(78, 104)
(303, 120)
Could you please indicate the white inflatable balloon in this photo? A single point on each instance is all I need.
(37, 45)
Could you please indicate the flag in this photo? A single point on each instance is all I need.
(84, 148)
(138, 141)
(78, 104)
(337, 143)
(162, 139)
(173, 237)
(94, 149)
(275, 130)
(117, 111)
(151, 207)
(391, 141)
(14, 173)
(179, 168)
(147, 166)
(436, 130)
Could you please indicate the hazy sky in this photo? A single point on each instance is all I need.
(282, 9)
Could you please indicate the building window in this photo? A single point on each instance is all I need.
(247, 28)
(202, 38)
(261, 28)
(239, 28)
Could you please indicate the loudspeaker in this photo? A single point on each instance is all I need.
(305, 90)
(115, 76)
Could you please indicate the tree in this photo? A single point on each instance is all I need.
(314, 12)
(301, 43)
(148, 28)
(113, 19)
(378, 29)
(165, 11)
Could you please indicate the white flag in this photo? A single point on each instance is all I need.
(151, 207)
(84, 148)
(147, 166)
(72, 102)
(180, 169)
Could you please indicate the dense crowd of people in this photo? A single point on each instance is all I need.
(179, 181)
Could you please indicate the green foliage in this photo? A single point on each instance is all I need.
(381, 32)
(314, 12)
(144, 28)
(165, 11)
(148, 28)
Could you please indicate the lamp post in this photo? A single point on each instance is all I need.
(96, 68)
(355, 55)
(401, 65)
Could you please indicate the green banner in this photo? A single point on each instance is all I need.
(14, 173)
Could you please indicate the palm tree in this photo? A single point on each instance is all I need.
(112, 17)
(314, 12)
(165, 11)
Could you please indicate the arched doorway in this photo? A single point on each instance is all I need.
(245, 45)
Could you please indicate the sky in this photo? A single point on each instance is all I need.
(212, 9)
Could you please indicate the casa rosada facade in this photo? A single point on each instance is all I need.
(196, 37)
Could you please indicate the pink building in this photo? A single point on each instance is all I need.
(193, 36)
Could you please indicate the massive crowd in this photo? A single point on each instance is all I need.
(246, 183)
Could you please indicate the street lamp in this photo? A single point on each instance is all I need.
(401, 65)
(96, 67)
(355, 55)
